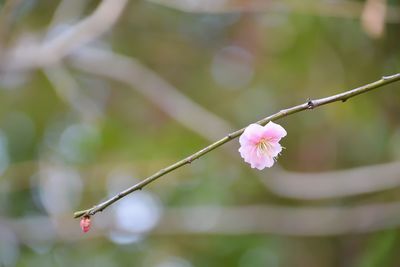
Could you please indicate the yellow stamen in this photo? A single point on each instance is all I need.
(264, 147)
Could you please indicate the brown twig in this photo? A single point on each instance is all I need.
(283, 113)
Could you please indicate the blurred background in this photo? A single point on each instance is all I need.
(97, 95)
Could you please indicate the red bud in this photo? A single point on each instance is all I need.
(85, 223)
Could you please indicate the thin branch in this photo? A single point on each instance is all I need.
(311, 104)
(333, 184)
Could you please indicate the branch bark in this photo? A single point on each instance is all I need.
(306, 186)
(310, 104)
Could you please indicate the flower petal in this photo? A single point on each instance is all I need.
(252, 134)
(273, 132)
(276, 148)
(264, 162)
(250, 155)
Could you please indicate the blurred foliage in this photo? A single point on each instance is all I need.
(240, 66)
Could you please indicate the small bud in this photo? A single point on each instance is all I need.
(85, 223)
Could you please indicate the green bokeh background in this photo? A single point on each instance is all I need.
(293, 57)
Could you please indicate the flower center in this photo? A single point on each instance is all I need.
(263, 148)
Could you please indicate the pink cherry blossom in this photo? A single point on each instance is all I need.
(85, 223)
(259, 145)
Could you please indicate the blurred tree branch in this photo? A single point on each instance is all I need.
(238, 220)
(6, 14)
(311, 104)
(68, 89)
(33, 55)
(335, 184)
(295, 185)
(151, 85)
(264, 219)
(67, 10)
(342, 8)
